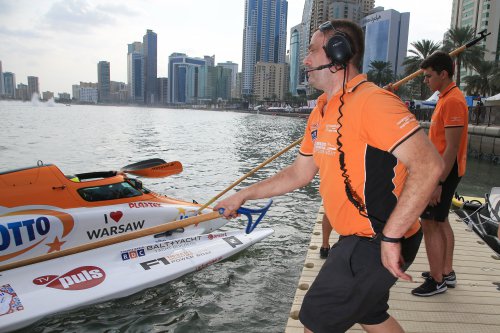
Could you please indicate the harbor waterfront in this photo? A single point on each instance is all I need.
(252, 292)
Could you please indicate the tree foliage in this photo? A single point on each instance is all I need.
(470, 57)
(380, 72)
(421, 50)
(485, 80)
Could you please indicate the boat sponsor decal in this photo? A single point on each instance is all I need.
(9, 301)
(115, 216)
(144, 204)
(21, 235)
(184, 214)
(115, 230)
(215, 236)
(84, 277)
(233, 241)
(172, 244)
(133, 253)
(208, 263)
(174, 258)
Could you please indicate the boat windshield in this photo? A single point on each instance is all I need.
(109, 192)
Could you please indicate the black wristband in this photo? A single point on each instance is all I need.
(440, 183)
(390, 239)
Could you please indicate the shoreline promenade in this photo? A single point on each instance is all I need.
(473, 306)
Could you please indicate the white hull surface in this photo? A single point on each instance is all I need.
(30, 293)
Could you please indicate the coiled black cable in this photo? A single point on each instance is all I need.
(353, 197)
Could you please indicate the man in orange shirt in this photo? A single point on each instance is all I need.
(448, 132)
(377, 171)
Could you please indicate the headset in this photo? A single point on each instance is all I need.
(338, 49)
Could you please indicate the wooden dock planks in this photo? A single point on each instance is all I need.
(473, 306)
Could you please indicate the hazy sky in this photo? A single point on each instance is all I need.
(61, 41)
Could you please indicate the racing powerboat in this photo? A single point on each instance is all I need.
(59, 235)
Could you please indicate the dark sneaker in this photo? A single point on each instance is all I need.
(430, 287)
(323, 252)
(450, 279)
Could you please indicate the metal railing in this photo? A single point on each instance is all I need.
(483, 116)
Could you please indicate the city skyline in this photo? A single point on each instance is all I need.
(61, 42)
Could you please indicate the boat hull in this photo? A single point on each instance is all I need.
(30, 231)
(30, 293)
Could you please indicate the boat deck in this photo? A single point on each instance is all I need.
(473, 306)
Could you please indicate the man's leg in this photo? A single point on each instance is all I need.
(435, 247)
(449, 246)
(389, 326)
(325, 244)
(327, 230)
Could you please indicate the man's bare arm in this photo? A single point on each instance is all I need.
(425, 166)
(298, 174)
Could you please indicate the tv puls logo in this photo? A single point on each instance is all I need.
(80, 278)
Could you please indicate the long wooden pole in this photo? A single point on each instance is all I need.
(109, 241)
(272, 158)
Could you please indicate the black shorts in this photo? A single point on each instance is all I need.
(439, 213)
(353, 285)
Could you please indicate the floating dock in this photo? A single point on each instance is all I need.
(473, 306)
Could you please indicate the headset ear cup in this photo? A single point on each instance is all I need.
(338, 50)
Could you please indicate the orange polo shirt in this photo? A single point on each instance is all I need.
(451, 111)
(373, 124)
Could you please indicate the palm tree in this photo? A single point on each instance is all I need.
(421, 50)
(456, 37)
(380, 72)
(485, 81)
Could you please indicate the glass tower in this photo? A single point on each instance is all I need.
(264, 37)
(150, 66)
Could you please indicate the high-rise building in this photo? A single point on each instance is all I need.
(9, 84)
(366, 6)
(295, 36)
(1, 80)
(150, 66)
(103, 81)
(386, 38)
(135, 72)
(47, 95)
(22, 92)
(219, 83)
(271, 81)
(64, 97)
(234, 72)
(325, 10)
(118, 92)
(88, 94)
(162, 90)
(347, 9)
(187, 79)
(480, 15)
(209, 60)
(264, 37)
(75, 90)
(33, 86)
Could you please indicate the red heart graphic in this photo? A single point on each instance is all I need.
(116, 216)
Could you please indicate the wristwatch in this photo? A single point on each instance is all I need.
(390, 239)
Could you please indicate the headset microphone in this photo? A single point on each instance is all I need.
(320, 67)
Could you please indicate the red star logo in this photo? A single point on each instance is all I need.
(55, 245)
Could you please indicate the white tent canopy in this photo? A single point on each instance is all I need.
(433, 99)
(493, 100)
